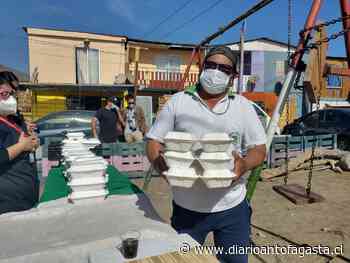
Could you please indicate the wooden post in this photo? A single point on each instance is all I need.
(137, 59)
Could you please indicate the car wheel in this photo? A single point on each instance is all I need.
(343, 143)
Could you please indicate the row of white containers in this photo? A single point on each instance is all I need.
(213, 166)
(85, 171)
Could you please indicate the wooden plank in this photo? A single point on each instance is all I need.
(297, 194)
(178, 257)
(338, 71)
(315, 67)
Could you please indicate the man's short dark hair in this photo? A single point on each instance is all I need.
(129, 97)
(110, 99)
(223, 50)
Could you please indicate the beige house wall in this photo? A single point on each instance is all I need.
(53, 54)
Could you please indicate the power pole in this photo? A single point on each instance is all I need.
(241, 70)
(137, 59)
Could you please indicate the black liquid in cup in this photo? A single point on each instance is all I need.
(129, 247)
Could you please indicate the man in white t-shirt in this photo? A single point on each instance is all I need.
(210, 107)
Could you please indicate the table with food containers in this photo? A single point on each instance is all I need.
(88, 206)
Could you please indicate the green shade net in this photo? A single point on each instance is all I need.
(56, 184)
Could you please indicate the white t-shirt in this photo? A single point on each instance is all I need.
(235, 116)
(130, 121)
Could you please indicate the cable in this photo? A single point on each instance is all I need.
(167, 18)
(192, 19)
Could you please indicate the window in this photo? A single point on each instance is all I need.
(312, 120)
(331, 116)
(87, 65)
(169, 64)
(334, 82)
(281, 68)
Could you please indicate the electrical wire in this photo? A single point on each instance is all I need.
(176, 11)
(191, 19)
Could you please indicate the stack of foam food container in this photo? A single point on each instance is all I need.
(85, 171)
(213, 166)
(216, 161)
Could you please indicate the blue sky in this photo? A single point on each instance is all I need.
(136, 18)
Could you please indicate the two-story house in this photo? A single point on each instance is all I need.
(72, 70)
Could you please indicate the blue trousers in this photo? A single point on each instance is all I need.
(230, 227)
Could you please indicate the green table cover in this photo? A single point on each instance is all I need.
(56, 185)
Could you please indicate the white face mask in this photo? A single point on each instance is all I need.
(214, 81)
(8, 107)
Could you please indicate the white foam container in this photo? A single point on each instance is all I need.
(94, 160)
(218, 178)
(178, 141)
(81, 171)
(179, 159)
(71, 158)
(181, 177)
(75, 152)
(218, 173)
(75, 135)
(76, 197)
(216, 161)
(88, 184)
(72, 144)
(72, 141)
(215, 142)
(91, 143)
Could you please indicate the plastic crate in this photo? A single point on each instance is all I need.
(129, 149)
(130, 163)
(46, 166)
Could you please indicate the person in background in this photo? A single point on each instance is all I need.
(107, 117)
(117, 107)
(19, 183)
(212, 107)
(135, 123)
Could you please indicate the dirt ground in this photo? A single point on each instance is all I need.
(326, 223)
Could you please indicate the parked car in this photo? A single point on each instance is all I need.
(57, 123)
(326, 121)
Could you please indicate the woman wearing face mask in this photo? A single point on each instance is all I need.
(211, 107)
(19, 185)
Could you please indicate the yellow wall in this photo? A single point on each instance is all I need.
(53, 53)
(284, 119)
(45, 104)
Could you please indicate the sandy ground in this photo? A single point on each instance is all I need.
(326, 223)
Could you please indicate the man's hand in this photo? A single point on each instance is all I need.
(255, 157)
(154, 150)
(160, 165)
(240, 166)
